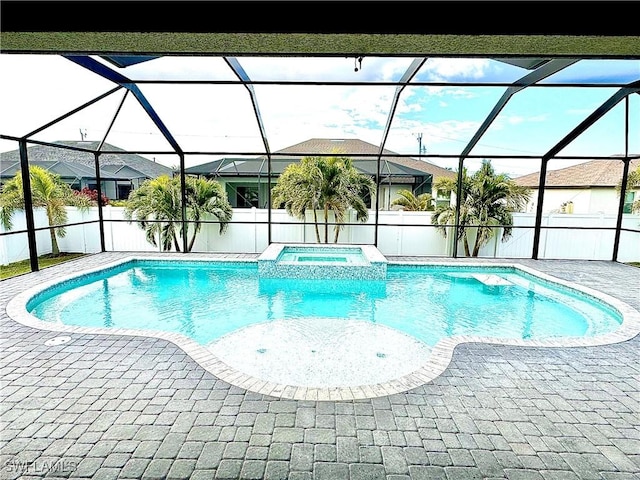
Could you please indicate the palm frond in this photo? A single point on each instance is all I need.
(488, 199)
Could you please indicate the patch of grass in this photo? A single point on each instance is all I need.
(24, 266)
(634, 264)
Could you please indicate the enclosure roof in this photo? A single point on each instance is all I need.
(229, 38)
(596, 173)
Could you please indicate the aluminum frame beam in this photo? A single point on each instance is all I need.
(623, 185)
(411, 72)
(242, 75)
(113, 76)
(594, 117)
(598, 113)
(28, 206)
(97, 167)
(540, 73)
(75, 110)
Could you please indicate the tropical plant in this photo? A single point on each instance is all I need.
(414, 203)
(327, 184)
(633, 182)
(47, 191)
(488, 200)
(206, 197)
(298, 190)
(157, 208)
(92, 195)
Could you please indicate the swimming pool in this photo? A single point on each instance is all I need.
(404, 327)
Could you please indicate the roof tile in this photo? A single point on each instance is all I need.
(595, 173)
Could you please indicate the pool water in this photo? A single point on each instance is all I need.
(319, 258)
(208, 300)
(318, 254)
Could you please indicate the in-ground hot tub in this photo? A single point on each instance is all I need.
(364, 262)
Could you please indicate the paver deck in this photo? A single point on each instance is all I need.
(106, 407)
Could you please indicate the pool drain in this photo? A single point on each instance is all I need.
(381, 355)
(57, 341)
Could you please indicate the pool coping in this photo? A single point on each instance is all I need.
(441, 355)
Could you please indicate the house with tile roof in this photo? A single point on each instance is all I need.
(119, 172)
(588, 187)
(245, 179)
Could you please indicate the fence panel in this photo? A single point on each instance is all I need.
(424, 240)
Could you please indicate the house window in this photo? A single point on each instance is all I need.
(123, 192)
(247, 196)
(628, 202)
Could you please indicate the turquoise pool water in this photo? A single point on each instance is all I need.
(206, 300)
(317, 254)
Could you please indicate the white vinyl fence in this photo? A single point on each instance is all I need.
(244, 236)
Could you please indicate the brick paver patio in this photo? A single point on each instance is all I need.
(107, 407)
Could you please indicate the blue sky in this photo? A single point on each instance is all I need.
(36, 89)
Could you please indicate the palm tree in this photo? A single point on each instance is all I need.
(157, 207)
(298, 190)
(47, 191)
(324, 183)
(343, 187)
(413, 203)
(633, 182)
(488, 200)
(206, 197)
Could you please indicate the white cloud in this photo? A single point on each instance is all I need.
(442, 69)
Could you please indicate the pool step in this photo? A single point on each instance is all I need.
(491, 280)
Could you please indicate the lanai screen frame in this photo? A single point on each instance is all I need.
(555, 64)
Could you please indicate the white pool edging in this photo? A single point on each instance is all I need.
(441, 353)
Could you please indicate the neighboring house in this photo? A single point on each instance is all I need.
(120, 173)
(245, 179)
(588, 187)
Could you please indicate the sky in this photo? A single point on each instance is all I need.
(36, 89)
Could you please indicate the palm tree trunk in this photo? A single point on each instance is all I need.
(55, 250)
(193, 238)
(315, 224)
(476, 247)
(479, 234)
(175, 241)
(466, 246)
